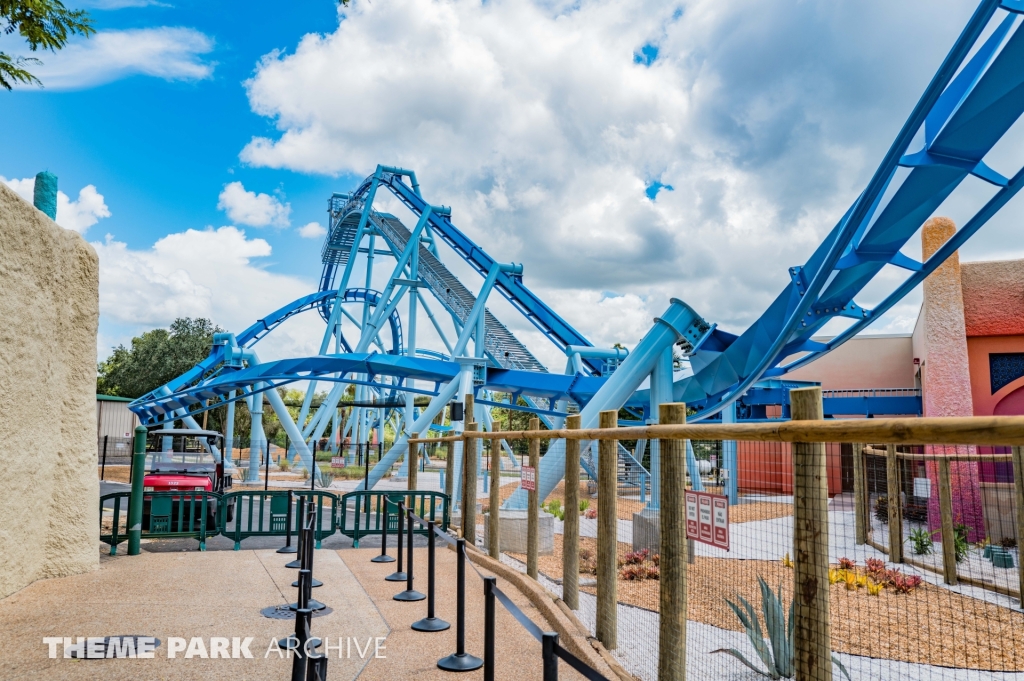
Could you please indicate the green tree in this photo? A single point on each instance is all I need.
(43, 24)
(155, 357)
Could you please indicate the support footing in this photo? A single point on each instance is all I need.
(409, 595)
(431, 624)
(460, 663)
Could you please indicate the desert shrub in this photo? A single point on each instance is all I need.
(847, 564)
(921, 539)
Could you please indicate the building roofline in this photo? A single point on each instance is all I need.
(113, 398)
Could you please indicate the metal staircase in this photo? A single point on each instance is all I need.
(501, 345)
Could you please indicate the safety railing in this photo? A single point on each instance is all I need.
(362, 513)
(922, 537)
(257, 514)
(166, 515)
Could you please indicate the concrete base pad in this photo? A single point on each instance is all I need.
(647, 531)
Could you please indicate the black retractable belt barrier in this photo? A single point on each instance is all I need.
(460, 660)
(383, 557)
(409, 594)
(399, 574)
(430, 622)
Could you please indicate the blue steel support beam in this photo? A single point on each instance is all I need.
(679, 322)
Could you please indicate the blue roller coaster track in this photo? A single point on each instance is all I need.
(974, 98)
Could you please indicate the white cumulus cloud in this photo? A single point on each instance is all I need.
(313, 230)
(79, 214)
(252, 209)
(168, 52)
(544, 125)
(212, 273)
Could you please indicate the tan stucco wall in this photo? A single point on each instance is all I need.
(49, 311)
(884, 361)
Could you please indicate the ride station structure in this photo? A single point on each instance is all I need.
(371, 344)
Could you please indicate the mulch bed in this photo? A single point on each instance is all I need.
(930, 625)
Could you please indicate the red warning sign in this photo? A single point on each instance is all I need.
(707, 518)
(528, 478)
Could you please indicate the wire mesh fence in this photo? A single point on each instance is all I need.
(927, 587)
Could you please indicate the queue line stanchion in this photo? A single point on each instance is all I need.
(489, 617)
(306, 587)
(431, 622)
(383, 557)
(399, 574)
(288, 548)
(409, 594)
(460, 660)
(297, 563)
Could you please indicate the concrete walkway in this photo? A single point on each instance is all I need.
(186, 594)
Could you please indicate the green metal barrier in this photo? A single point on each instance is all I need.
(195, 515)
(264, 514)
(362, 513)
(319, 499)
(116, 536)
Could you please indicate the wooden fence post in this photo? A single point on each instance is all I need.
(673, 550)
(860, 496)
(571, 526)
(414, 466)
(812, 635)
(449, 469)
(493, 528)
(469, 489)
(607, 535)
(946, 517)
(892, 474)
(533, 508)
(1018, 484)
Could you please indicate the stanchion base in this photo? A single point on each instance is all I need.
(292, 643)
(397, 577)
(316, 583)
(384, 558)
(295, 564)
(460, 663)
(314, 605)
(288, 549)
(431, 624)
(409, 595)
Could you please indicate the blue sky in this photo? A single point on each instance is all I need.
(625, 151)
(160, 151)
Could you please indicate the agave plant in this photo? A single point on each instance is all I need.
(778, 659)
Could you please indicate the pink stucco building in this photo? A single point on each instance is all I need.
(966, 355)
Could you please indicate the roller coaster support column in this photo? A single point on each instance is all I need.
(477, 315)
(188, 421)
(677, 323)
(467, 390)
(420, 425)
(256, 437)
(343, 285)
(279, 407)
(229, 430)
(730, 464)
(661, 393)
